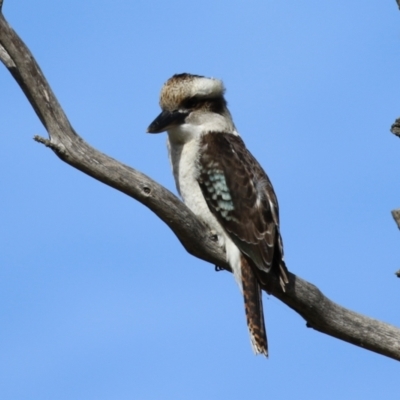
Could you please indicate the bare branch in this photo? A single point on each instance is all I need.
(75, 151)
(396, 216)
(6, 58)
(320, 313)
(395, 128)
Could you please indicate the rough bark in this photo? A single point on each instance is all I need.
(395, 128)
(396, 216)
(319, 312)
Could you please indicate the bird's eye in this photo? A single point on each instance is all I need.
(191, 103)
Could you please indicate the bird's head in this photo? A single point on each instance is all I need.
(192, 101)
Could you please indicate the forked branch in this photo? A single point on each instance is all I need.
(320, 313)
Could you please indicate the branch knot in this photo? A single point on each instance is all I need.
(59, 149)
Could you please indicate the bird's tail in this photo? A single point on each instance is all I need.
(254, 309)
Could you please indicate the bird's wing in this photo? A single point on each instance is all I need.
(239, 193)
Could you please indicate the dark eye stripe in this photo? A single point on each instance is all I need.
(191, 103)
(217, 105)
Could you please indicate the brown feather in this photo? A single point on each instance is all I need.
(239, 193)
(253, 307)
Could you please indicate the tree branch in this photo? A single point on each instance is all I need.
(396, 216)
(307, 300)
(395, 128)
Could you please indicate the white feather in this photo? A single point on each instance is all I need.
(207, 87)
(183, 147)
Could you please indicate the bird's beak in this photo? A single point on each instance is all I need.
(165, 120)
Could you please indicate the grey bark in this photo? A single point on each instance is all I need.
(319, 312)
(395, 128)
(396, 216)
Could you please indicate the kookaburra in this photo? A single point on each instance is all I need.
(225, 186)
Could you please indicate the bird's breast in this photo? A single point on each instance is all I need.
(184, 160)
(185, 165)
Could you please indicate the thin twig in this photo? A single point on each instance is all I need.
(396, 216)
(395, 128)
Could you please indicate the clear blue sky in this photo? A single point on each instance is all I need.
(98, 300)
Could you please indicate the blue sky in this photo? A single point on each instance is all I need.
(98, 300)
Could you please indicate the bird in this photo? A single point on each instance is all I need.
(224, 186)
